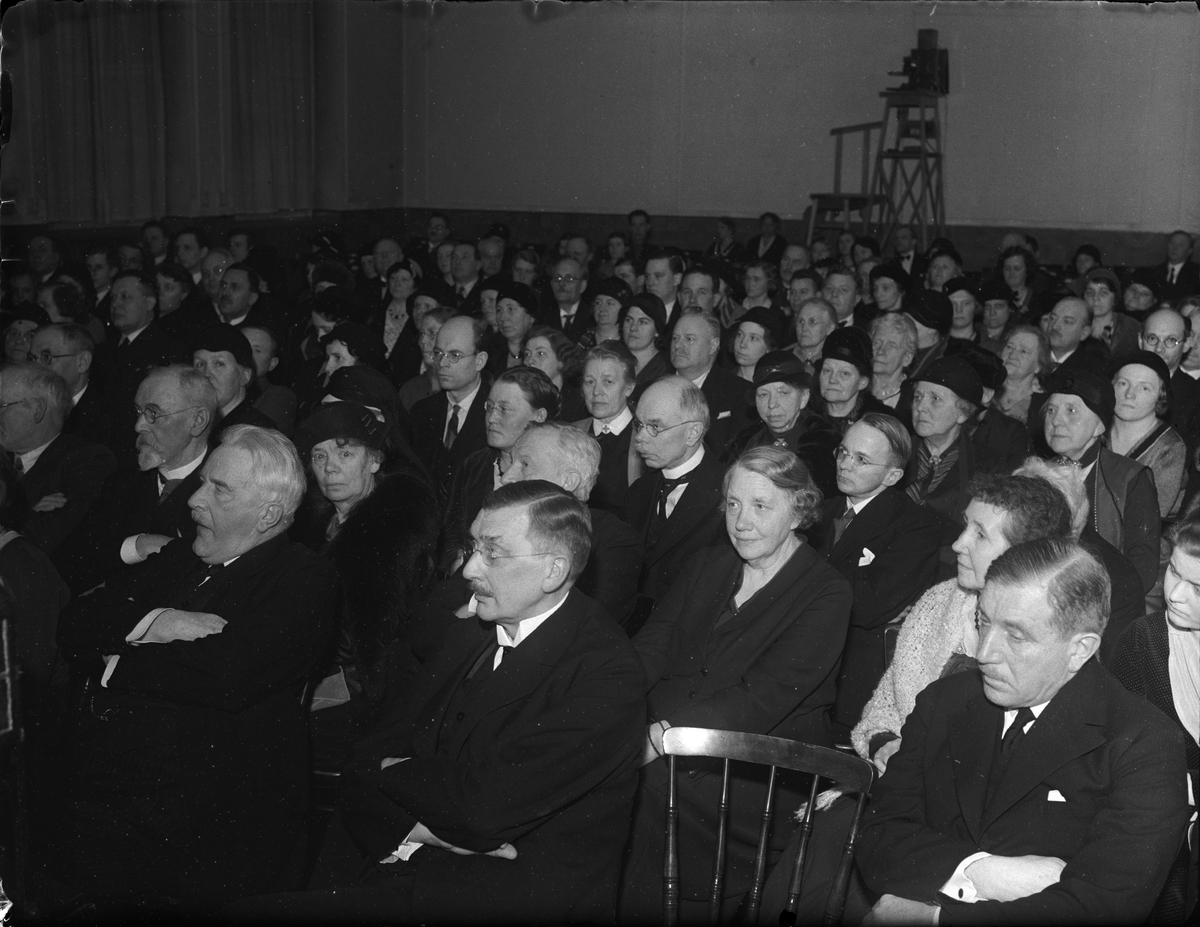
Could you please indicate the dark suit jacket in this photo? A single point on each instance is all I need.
(71, 466)
(428, 423)
(543, 754)
(124, 370)
(1186, 284)
(696, 522)
(903, 538)
(89, 419)
(774, 254)
(1116, 760)
(212, 733)
(611, 574)
(1185, 400)
(729, 409)
(580, 322)
(769, 669)
(128, 505)
(1092, 354)
(620, 467)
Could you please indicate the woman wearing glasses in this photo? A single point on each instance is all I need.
(518, 398)
(748, 638)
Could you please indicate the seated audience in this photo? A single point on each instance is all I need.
(448, 426)
(782, 390)
(893, 349)
(1077, 415)
(379, 528)
(194, 778)
(1156, 658)
(59, 476)
(1118, 331)
(1068, 326)
(570, 458)
(748, 638)
(814, 321)
(998, 315)
(884, 544)
(643, 322)
(498, 788)
(226, 359)
(516, 314)
(144, 506)
(277, 403)
(554, 354)
(608, 382)
(1026, 358)
(695, 345)
(69, 351)
(425, 383)
(844, 374)
(519, 397)
(676, 508)
(933, 315)
(1142, 386)
(961, 816)
(946, 397)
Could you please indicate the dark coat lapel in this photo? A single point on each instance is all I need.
(1071, 725)
(802, 560)
(428, 724)
(697, 501)
(875, 518)
(973, 735)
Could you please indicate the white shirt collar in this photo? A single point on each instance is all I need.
(674, 473)
(569, 312)
(133, 336)
(616, 426)
(1059, 360)
(75, 399)
(100, 294)
(29, 458)
(464, 403)
(186, 470)
(859, 506)
(524, 628)
(1010, 716)
(699, 381)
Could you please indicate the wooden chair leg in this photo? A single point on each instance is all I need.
(671, 857)
(787, 917)
(760, 858)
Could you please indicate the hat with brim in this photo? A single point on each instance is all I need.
(987, 364)
(340, 421)
(613, 288)
(849, 344)
(931, 309)
(1146, 359)
(957, 375)
(365, 386)
(1105, 276)
(894, 272)
(780, 367)
(771, 320)
(521, 294)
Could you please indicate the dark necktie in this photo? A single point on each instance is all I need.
(452, 427)
(168, 486)
(1008, 746)
(18, 465)
(841, 523)
(668, 487)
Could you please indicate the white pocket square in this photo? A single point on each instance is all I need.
(867, 557)
(721, 415)
(1055, 795)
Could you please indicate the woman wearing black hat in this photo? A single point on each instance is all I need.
(516, 313)
(781, 393)
(642, 323)
(759, 331)
(844, 375)
(1142, 385)
(381, 534)
(610, 296)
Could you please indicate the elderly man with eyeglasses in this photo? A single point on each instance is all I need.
(449, 426)
(145, 505)
(68, 350)
(59, 476)
(677, 506)
(1167, 333)
(883, 543)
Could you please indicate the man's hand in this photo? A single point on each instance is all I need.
(176, 625)
(392, 761)
(892, 909)
(50, 502)
(884, 753)
(422, 834)
(148, 544)
(1007, 878)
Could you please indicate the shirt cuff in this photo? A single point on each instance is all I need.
(129, 553)
(961, 888)
(404, 851)
(142, 627)
(108, 670)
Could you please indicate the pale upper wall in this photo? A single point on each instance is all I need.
(1060, 115)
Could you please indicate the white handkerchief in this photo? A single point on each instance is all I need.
(725, 414)
(1055, 795)
(867, 557)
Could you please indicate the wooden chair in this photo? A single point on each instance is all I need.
(851, 772)
(838, 210)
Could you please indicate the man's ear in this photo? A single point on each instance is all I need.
(247, 375)
(83, 361)
(1082, 648)
(272, 515)
(481, 359)
(200, 422)
(571, 481)
(557, 575)
(274, 363)
(40, 408)
(253, 298)
(893, 476)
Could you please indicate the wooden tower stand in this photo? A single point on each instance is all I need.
(907, 186)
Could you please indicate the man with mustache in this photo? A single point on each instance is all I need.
(193, 781)
(146, 505)
(499, 787)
